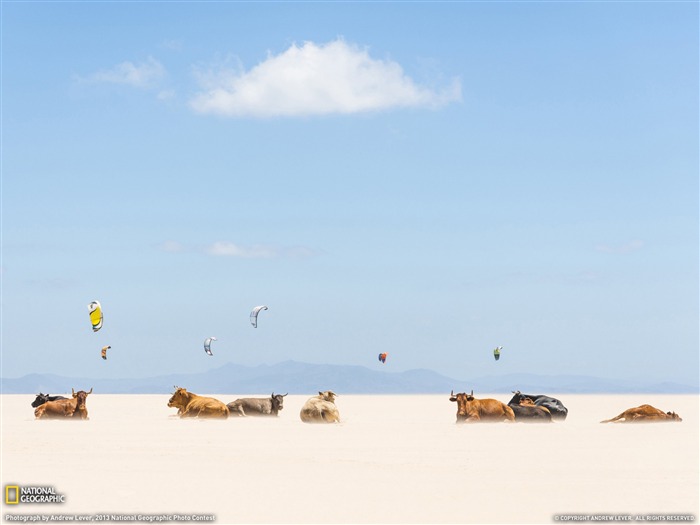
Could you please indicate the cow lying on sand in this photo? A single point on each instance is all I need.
(470, 409)
(65, 408)
(252, 406)
(526, 411)
(320, 409)
(644, 414)
(556, 408)
(43, 398)
(192, 405)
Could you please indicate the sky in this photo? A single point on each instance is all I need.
(426, 179)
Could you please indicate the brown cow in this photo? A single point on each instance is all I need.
(470, 409)
(63, 408)
(644, 414)
(192, 405)
(528, 411)
(527, 402)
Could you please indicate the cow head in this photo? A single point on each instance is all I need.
(673, 416)
(40, 399)
(328, 395)
(179, 398)
(463, 401)
(81, 396)
(517, 398)
(277, 401)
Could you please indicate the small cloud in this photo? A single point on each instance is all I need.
(166, 94)
(172, 45)
(144, 75)
(622, 249)
(171, 247)
(229, 249)
(335, 78)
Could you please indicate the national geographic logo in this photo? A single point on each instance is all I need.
(14, 495)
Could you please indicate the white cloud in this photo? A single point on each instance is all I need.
(143, 75)
(230, 249)
(315, 80)
(166, 94)
(621, 249)
(171, 247)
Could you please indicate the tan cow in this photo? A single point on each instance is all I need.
(644, 414)
(527, 402)
(320, 409)
(65, 408)
(470, 409)
(192, 405)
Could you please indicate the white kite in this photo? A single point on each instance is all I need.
(254, 315)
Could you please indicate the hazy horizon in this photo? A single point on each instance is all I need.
(297, 377)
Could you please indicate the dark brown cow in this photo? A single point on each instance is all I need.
(644, 414)
(63, 408)
(192, 405)
(470, 409)
(528, 411)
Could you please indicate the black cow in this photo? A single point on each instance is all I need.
(526, 411)
(555, 407)
(252, 406)
(43, 398)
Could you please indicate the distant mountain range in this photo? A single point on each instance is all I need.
(304, 378)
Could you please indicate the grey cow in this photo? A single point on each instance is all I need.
(254, 406)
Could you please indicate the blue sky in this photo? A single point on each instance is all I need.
(429, 180)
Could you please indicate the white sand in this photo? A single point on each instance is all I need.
(393, 459)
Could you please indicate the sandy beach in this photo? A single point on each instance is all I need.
(392, 459)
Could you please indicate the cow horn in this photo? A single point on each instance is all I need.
(90, 392)
(285, 394)
(452, 393)
(472, 394)
(72, 391)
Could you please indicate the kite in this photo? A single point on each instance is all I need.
(104, 351)
(207, 344)
(254, 315)
(497, 352)
(95, 315)
(382, 357)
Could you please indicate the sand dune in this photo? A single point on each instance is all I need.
(393, 459)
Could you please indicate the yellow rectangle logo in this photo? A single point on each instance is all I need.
(11, 499)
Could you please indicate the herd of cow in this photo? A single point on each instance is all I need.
(322, 408)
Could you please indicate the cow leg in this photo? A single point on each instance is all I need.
(615, 419)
